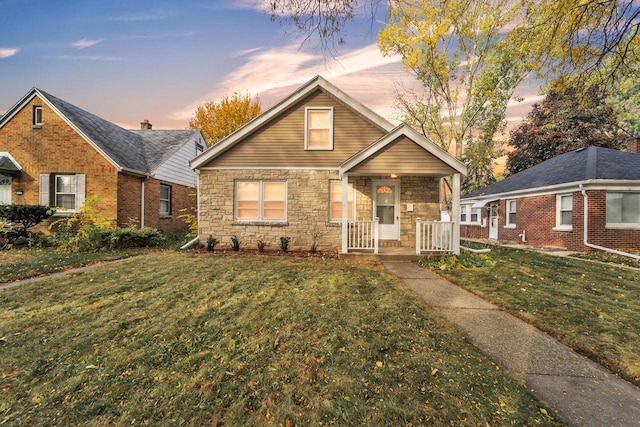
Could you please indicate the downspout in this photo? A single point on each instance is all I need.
(142, 203)
(585, 201)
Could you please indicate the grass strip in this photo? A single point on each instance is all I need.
(594, 308)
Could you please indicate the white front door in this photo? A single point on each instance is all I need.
(386, 206)
(493, 221)
(5, 190)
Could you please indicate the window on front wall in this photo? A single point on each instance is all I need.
(65, 191)
(37, 115)
(564, 212)
(165, 200)
(623, 208)
(335, 201)
(261, 200)
(469, 214)
(318, 128)
(511, 213)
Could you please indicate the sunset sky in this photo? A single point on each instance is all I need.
(127, 61)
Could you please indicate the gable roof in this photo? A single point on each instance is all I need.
(8, 165)
(127, 150)
(318, 82)
(584, 164)
(402, 130)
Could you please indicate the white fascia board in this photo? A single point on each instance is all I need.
(13, 160)
(317, 82)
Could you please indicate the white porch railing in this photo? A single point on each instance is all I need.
(363, 235)
(434, 236)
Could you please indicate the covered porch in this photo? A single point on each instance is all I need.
(391, 197)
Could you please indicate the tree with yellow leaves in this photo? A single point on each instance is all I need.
(217, 120)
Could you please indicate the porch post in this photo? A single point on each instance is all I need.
(418, 236)
(345, 213)
(455, 213)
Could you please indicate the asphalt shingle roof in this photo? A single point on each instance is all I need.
(159, 145)
(581, 165)
(7, 165)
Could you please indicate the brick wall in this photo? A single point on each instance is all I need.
(307, 208)
(56, 147)
(537, 216)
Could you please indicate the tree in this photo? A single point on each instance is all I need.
(562, 123)
(217, 120)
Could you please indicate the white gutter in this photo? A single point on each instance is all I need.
(585, 200)
(190, 243)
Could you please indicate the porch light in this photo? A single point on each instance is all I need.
(394, 176)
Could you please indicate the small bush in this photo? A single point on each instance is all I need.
(211, 243)
(261, 245)
(284, 243)
(235, 243)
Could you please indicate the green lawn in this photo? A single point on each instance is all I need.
(594, 308)
(199, 339)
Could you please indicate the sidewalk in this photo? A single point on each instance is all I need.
(582, 392)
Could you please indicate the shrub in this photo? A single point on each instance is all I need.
(235, 243)
(23, 217)
(261, 245)
(284, 243)
(211, 243)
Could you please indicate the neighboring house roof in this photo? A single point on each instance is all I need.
(8, 164)
(137, 151)
(579, 166)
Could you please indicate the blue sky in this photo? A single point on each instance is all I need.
(130, 60)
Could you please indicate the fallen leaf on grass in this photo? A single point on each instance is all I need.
(544, 411)
(91, 367)
(434, 372)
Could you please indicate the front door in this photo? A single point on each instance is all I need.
(5, 190)
(386, 206)
(493, 221)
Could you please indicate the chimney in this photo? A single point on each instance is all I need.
(633, 144)
(145, 125)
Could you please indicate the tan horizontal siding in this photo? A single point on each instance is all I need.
(281, 142)
(403, 156)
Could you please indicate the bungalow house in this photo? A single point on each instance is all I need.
(56, 154)
(582, 200)
(322, 169)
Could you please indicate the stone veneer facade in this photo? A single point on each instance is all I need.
(307, 208)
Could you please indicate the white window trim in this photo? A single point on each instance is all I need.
(621, 225)
(165, 214)
(260, 217)
(468, 209)
(47, 199)
(37, 121)
(353, 204)
(306, 128)
(559, 226)
(509, 224)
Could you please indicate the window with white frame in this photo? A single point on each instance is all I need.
(318, 128)
(37, 115)
(261, 200)
(165, 200)
(65, 190)
(469, 214)
(623, 208)
(511, 213)
(564, 212)
(335, 201)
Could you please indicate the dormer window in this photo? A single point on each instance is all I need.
(318, 128)
(37, 116)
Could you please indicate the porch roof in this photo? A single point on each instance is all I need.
(8, 165)
(402, 151)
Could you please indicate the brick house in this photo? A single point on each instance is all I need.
(582, 200)
(321, 167)
(54, 153)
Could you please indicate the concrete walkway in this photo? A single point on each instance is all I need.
(582, 392)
